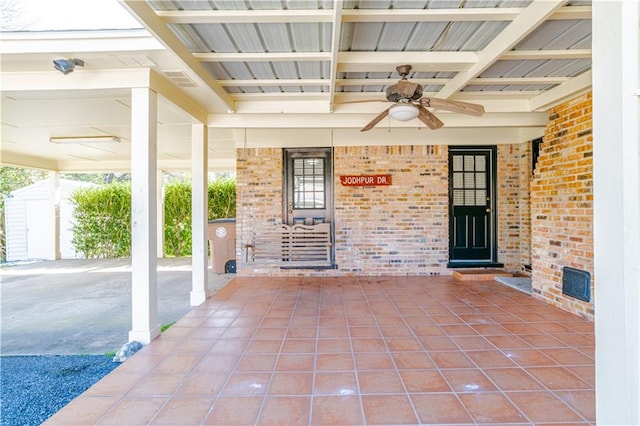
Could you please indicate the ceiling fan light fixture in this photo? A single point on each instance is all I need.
(403, 112)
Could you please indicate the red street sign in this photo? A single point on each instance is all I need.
(365, 180)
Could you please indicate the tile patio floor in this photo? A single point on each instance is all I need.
(355, 350)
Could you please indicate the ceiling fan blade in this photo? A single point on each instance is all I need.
(376, 120)
(428, 118)
(454, 106)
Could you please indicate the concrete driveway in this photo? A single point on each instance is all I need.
(83, 306)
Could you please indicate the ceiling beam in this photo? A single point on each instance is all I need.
(244, 16)
(82, 80)
(518, 29)
(357, 15)
(141, 11)
(455, 15)
(420, 61)
(335, 48)
(356, 121)
(263, 57)
(283, 103)
(347, 58)
(56, 42)
(274, 82)
(286, 82)
(547, 54)
(8, 158)
(169, 91)
(570, 89)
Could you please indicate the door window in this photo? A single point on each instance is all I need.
(469, 180)
(309, 183)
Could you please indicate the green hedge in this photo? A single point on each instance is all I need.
(103, 217)
(102, 221)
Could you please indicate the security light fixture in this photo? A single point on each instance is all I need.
(66, 66)
(83, 139)
(403, 111)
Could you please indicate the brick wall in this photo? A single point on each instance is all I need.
(400, 229)
(258, 197)
(514, 214)
(562, 204)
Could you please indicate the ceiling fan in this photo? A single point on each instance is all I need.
(408, 103)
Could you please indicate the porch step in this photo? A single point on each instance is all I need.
(479, 274)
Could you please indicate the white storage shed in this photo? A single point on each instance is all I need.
(29, 221)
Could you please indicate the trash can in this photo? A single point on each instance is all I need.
(222, 240)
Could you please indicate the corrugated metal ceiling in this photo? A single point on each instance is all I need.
(325, 75)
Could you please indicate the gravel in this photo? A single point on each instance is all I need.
(33, 388)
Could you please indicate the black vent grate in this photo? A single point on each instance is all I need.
(576, 283)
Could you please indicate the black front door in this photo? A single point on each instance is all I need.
(471, 201)
(308, 186)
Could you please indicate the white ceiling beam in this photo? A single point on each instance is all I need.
(335, 48)
(420, 61)
(84, 166)
(518, 29)
(492, 101)
(276, 82)
(456, 15)
(547, 54)
(387, 81)
(244, 16)
(383, 135)
(374, 96)
(77, 41)
(357, 15)
(357, 61)
(350, 59)
(356, 121)
(169, 91)
(570, 89)
(80, 80)
(516, 81)
(263, 57)
(9, 158)
(141, 11)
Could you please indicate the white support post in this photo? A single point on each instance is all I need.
(144, 279)
(199, 214)
(54, 199)
(160, 215)
(616, 161)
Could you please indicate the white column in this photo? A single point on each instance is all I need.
(54, 199)
(160, 215)
(144, 282)
(199, 214)
(616, 146)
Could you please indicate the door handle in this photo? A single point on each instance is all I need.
(488, 210)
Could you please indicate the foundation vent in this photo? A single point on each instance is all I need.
(576, 283)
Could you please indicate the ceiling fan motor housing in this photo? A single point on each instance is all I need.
(394, 95)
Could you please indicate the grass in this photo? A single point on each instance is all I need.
(166, 326)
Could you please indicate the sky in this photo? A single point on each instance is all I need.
(42, 15)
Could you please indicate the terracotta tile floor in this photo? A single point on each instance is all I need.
(355, 350)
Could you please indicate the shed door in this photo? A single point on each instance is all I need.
(472, 235)
(39, 234)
